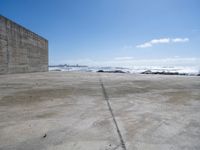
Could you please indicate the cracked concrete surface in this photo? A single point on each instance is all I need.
(67, 110)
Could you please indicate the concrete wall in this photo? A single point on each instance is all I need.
(21, 50)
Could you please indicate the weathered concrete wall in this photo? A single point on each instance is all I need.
(21, 50)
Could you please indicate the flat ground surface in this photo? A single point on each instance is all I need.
(75, 111)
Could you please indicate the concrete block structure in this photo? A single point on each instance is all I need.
(21, 51)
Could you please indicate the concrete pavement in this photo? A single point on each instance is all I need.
(68, 110)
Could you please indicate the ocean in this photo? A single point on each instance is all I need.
(188, 70)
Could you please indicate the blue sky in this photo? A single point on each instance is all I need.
(113, 32)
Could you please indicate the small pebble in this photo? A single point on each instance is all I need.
(45, 136)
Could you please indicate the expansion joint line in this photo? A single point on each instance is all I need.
(112, 114)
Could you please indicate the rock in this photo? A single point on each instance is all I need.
(100, 71)
(45, 135)
(163, 73)
(117, 71)
(56, 70)
(147, 72)
(114, 71)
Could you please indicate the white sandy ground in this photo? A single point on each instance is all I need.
(68, 111)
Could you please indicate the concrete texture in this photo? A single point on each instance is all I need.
(82, 111)
(21, 50)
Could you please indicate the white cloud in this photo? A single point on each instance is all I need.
(131, 62)
(145, 45)
(161, 41)
(158, 41)
(173, 61)
(176, 40)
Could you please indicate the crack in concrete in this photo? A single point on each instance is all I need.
(112, 114)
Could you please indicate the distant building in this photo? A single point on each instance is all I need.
(21, 51)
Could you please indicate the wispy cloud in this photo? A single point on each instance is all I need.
(131, 62)
(127, 47)
(176, 40)
(123, 58)
(145, 45)
(172, 61)
(162, 41)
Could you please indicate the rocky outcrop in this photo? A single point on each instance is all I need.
(163, 73)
